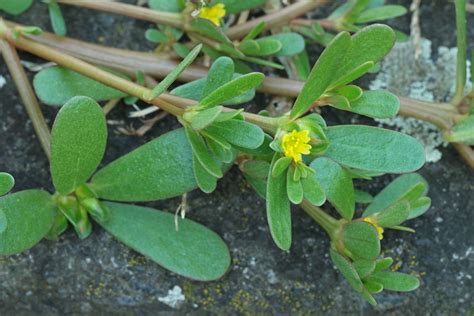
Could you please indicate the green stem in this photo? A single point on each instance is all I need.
(462, 51)
(326, 221)
(27, 95)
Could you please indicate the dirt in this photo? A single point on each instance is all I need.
(99, 275)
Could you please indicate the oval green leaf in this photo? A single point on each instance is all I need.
(395, 191)
(57, 85)
(78, 140)
(278, 209)
(337, 185)
(15, 7)
(374, 149)
(193, 250)
(238, 133)
(157, 170)
(376, 104)
(396, 281)
(27, 218)
(322, 74)
(362, 240)
(347, 270)
(232, 89)
(7, 182)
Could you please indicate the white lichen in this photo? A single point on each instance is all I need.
(424, 79)
(3, 81)
(174, 298)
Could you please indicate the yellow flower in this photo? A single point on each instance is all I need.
(213, 14)
(378, 228)
(296, 144)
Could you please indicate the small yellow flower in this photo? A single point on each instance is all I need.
(213, 14)
(296, 144)
(378, 228)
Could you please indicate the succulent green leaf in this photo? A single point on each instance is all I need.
(205, 181)
(393, 215)
(278, 209)
(347, 270)
(57, 20)
(166, 5)
(364, 267)
(202, 153)
(221, 72)
(353, 75)
(313, 191)
(383, 264)
(25, 218)
(419, 207)
(78, 140)
(362, 240)
(370, 44)
(181, 50)
(337, 185)
(354, 9)
(462, 132)
(236, 6)
(374, 149)
(256, 168)
(302, 66)
(322, 74)
(291, 44)
(193, 250)
(57, 85)
(399, 189)
(7, 182)
(238, 133)
(173, 75)
(368, 297)
(254, 32)
(232, 89)
(351, 92)
(208, 29)
(15, 7)
(376, 104)
(261, 47)
(194, 90)
(281, 165)
(224, 154)
(362, 197)
(381, 13)
(294, 188)
(396, 281)
(338, 101)
(160, 169)
(373, 287)
(155, 36)
(205, 117)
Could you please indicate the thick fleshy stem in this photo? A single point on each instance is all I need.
(326, 221)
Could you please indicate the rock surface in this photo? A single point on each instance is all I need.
(99, 275)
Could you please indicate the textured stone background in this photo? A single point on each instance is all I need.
(99, 275)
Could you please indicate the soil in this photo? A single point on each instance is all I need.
(99, 275)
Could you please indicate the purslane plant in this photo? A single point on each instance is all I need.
(295, 158)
